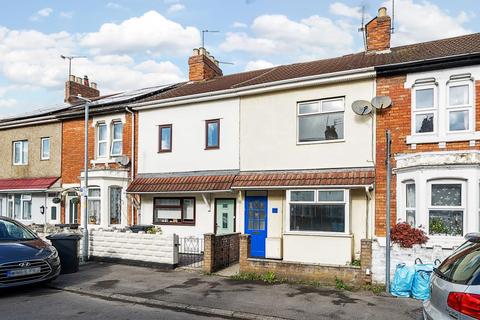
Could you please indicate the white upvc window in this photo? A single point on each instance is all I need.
(102, 142)
(318, 211)
(117, 139)
(19, 206)
(446, 207)
(20, 152)
(460, 110)
(410, 203)
(321, 120)
(45, 148)
(424, 109)
(94, 205)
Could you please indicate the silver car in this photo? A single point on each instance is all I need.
(455, 284)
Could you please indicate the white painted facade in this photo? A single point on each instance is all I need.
(188, 138)
(38, 200)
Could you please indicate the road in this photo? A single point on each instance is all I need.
(41, 303)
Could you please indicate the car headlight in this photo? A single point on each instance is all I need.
(54, 254)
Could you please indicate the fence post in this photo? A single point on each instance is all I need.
(366, 260)
(209, 253)
(244, 251)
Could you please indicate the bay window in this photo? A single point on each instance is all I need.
(174, 211)
(318, 210)
(115, 205)
(321, 120)
(410, 208)
(94, 205)
(446, 208)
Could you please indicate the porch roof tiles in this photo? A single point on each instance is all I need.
(184, 183)
(27, 183)
(343, 177)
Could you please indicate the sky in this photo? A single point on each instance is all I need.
(131, 44)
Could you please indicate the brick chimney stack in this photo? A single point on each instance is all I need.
(378, 32)
(80, 86)
(203, 66)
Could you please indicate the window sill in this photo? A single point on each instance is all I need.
(450, 137)
(320, 142)
(318, 234)
(103, 161)
(174, 224)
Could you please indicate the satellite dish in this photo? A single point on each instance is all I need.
(362, 107)
(123, 160)
(381, 102)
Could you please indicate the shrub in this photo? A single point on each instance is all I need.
(406, 236)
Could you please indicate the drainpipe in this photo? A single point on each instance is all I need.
(368, 195)
(132, 166)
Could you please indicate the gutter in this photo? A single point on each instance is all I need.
(27, 122)
(353, 186)
(181, 192)
(334, 77)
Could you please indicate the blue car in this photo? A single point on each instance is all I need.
(24, 257)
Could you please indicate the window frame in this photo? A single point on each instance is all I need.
(181, 206)
(113, 140)
(320, 101)
(23, 158)
(419, 111)
(24, 197)
(98, 141)
(406, 208)
(160, 127)
(316, 201)
(462, 208)
(42, 150)
(468, 107)
(110, 189)
(207, 122)
(95, 198)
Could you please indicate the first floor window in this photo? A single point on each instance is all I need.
(424, 109)
(45, 149)
(101, 140)
(174, 210)
(165, 138)
(20, 152)
(94, 205)
(318, 210)
(212, 128)
(115, 205)
(446, 208)
(321, 120)
(410, 208)
(117, 139)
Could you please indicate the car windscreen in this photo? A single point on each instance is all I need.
(462, 265)
(10, 231)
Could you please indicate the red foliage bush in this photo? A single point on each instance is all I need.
(406, 236)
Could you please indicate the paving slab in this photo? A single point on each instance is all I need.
(195, 290)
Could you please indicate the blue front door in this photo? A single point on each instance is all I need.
(256, 224)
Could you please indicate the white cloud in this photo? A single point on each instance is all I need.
(258, 64)
(341, 9)
(176, 8)
(42, 13)
(7, 103)
(151, 31)
(66, 14)
(423, 21)
(114, 59)
(239, 25)
(309, 38)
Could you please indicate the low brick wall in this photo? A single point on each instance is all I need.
(143, 249)
(304, 271)
(427, 253)
(220, 251)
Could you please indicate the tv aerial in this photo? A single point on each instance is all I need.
(362, 107)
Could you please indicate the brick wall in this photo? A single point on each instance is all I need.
(303, 271)
(398, 119)
(73, 88)
(220, 251)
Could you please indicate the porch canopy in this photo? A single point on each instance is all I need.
(182, 182)
(351, 177)
(27, 184)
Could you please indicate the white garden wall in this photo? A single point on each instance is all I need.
(427, 253)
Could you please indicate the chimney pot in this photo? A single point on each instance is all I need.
(382, 12)
(76, 86)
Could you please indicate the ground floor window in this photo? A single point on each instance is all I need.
(447, 208)
(318, 210)
(174, 211)
(115, 205)
(94, 205)
(19, 206)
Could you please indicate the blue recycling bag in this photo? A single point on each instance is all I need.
(421, 281)
(402, 280)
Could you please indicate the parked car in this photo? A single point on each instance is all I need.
(455, 284)
(24, 257)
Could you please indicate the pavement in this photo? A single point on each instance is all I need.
(216, 296)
